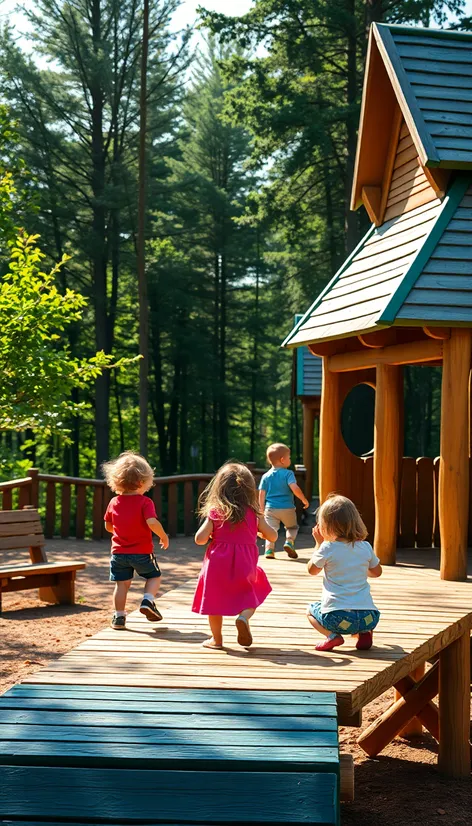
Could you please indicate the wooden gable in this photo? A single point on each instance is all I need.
(410, 184)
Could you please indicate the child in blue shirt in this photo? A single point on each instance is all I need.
(276, 491)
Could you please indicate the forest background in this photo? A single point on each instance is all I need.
(250, 147)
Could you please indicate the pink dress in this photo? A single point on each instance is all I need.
(230, 580)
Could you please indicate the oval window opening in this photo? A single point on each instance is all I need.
(357, 419)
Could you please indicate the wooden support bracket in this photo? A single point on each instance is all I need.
(382, 731)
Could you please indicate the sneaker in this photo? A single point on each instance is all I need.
(150, 611)
(289, 547)
(270, 554)
(118, 622)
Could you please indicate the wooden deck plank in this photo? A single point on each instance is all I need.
(420, 614)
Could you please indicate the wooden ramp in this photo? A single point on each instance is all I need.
(144, 726)
(107, 755)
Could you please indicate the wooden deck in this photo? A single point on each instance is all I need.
(421, 615)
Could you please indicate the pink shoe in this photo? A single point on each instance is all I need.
(364, 641)
(330, 642)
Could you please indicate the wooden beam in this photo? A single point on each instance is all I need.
(388, 447)
(429, 714)
(327, 348)
(438, 179)
(411, 353)
(440, 333)
(454, 463)
(372, 199)
(329, 459)
(308, 447)
(454, 708)
(381, 732)
(379, 338)
(415, 726)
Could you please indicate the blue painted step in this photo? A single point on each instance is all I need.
(148, 797)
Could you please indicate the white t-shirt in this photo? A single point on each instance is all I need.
(345, 566)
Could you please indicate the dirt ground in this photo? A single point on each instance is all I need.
(402, 787)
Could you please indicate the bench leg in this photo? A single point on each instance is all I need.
(454, 708)
(62, 593)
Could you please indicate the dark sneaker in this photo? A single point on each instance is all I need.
(150, 611)
(118, 622)
(289, 548)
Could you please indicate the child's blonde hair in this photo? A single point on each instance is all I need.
(231, 491)
(275, 452)
(340, 518)
(128, 472)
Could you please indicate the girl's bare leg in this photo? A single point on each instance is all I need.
(216, 628)
(248, 613)
(318, 627)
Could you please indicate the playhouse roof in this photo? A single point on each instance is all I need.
(309, 370)
(416, 267)
(428, 72)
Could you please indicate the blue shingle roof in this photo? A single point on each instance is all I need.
(433, 70)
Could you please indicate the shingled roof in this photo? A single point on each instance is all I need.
(416, 267)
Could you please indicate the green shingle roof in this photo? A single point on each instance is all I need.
(431, 71)
(414, 269)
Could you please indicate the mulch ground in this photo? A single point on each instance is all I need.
(402, 787)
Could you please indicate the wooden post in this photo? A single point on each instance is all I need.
(308, 447)
(454, 708)
(34, 494)
(454, 465)
(388, 447)
(329, 432)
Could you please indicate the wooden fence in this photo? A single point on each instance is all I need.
(74, 507)
(418, 519)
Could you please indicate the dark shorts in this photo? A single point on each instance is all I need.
(123, 566)
(345, 622)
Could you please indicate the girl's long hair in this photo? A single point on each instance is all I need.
(231, 491)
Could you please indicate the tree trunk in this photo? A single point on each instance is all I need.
(223, 418)
(351, 218)
(255, 359)
(142, 285)
(99, 246)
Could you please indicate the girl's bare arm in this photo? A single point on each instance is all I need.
(265, 530)
(204, 532)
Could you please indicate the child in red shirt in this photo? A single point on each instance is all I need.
(131, 519)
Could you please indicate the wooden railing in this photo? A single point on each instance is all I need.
(74, 507)
(418, 520)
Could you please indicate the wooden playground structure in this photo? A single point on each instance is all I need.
(149, 708)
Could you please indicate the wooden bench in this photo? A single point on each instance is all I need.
(21, 530)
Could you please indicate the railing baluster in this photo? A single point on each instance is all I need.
(98, 512)
(65, 510)
(7, 500)
(107, 495)
(157, 499)
(188, 509)
(425, 502)
(437, 536)
(172, 509)
(50, 522)
(80, 512)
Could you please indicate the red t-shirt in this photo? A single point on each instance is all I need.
(128, 513)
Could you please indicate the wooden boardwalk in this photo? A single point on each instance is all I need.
(421, 615)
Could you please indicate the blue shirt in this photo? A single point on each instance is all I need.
(276, 485)
(345, 566)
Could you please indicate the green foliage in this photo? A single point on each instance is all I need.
(38, 370)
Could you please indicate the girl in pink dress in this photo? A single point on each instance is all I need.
(231, 582)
